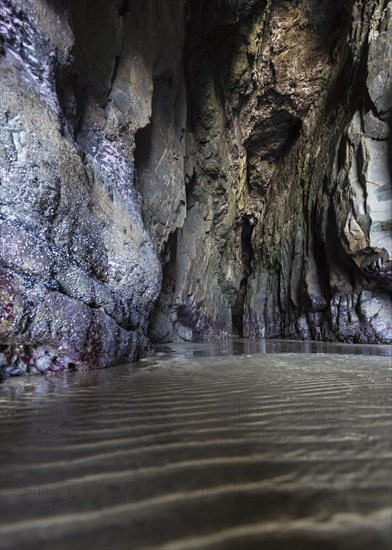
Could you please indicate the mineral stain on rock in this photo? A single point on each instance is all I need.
(186, 169)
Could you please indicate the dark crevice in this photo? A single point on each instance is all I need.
(124, 8)
(248, 225)
(169, 258)
(237, 311)
(160, 327)
(142, 147)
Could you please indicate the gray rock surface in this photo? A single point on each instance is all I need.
(72, 230)
(181, 170)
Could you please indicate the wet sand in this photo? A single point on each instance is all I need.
(233, 445)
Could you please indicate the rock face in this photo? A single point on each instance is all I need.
(185, 169)
(80, 271)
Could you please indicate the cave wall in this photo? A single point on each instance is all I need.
(288, 174)
(323, 268)
(80, 271)
(188, 169)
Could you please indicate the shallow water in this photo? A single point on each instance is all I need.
(234, 445)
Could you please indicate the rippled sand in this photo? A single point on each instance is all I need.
(203, 449)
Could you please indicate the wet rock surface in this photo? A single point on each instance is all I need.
(181, 170)
(81, 268)
(288, 176)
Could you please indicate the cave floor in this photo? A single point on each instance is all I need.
(233, 445)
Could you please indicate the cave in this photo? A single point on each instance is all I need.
(186, 120)
(195, 244)
(237, 309)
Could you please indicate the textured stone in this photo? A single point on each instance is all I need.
(374, 127)
(269, 139)
(70, 212)
(188, 169)
(379, 79)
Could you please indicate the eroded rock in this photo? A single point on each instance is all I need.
(188, 169)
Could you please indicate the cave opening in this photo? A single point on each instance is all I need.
(168, 259)
(142, 149)
(237, 310)
(163, 316)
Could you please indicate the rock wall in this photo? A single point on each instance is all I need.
(188, 169)
(288, 174)
(80, 272)
(323, 269)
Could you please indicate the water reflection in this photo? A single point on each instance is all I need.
(239, 346)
